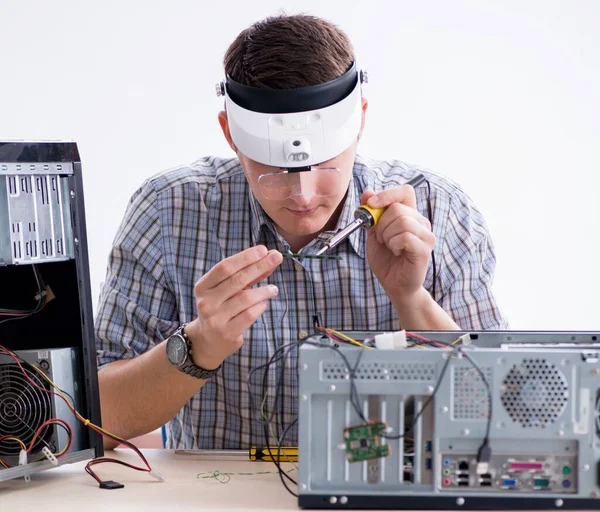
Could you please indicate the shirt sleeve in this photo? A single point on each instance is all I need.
(467, 269)
(137, 309)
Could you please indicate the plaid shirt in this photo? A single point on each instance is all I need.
(181, 223)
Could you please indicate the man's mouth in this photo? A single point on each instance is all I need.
(302, 212)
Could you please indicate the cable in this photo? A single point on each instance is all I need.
(14, 314)
(430, 218)
(58, 392)
(422, 409)
(484, 453)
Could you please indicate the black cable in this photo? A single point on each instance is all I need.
(285, 350)
(484, 453)
(430, 218)
(280, 470)
(425, 405)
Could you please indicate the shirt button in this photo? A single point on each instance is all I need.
(302, 335)
(298, 266)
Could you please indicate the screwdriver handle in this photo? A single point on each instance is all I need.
(369, 216)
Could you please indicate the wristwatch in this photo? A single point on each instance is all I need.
(179, 354)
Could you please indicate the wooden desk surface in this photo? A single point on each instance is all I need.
(69, 488)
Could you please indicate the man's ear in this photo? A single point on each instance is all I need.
(225, 127)
(364, 106)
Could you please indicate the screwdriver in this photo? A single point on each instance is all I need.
(364, 217)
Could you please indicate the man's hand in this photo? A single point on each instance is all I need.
(228, 305)
(400, 244)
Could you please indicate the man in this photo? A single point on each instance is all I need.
(198, 292)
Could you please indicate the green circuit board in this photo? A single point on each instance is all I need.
(363, 442)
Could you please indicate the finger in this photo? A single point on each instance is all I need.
(366, 195)
(229, 266)
(246, 299)
(244, 277)
(400, 211)
(404, 194)
(259, 279)
(247, 317)
(409, 243)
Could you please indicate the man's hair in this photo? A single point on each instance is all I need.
(285, 52)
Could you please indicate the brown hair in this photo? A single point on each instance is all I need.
(285, 52)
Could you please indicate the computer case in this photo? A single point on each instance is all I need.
(46, 316)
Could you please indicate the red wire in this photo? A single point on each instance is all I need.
(90, 425)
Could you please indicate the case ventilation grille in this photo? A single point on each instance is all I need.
(534, 393)
(379, 371)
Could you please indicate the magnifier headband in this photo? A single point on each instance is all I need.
(299, 127)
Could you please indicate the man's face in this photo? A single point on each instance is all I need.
(307, 211)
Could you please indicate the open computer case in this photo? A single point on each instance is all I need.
(46, 318)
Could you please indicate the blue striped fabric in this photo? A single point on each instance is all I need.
(182, 222)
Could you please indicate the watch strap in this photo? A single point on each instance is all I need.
(189, 367)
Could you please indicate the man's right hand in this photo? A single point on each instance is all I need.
(228, 305)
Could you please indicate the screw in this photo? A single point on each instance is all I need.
(333, 500)
(220, 89)
(561, 433)
(72, 195)
(460, 501)
(595, 371)
(303, 487)
(343, 500)
(445, 409)
(303, 397)
(332, 387)
(559, 503)
(465, 432)
(586, 467)
(76, 241)
(429, 389)
(364, 76)
(305, 367)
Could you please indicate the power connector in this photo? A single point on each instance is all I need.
(157, 474)
(391, 340)
(49, 293)
(50, 456)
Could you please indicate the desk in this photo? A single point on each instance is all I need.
(69, 488)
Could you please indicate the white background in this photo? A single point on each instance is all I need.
(501, 96)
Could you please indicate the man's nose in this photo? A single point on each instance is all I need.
(304, 197)
(303, 191)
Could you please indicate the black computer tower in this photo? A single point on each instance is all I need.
(46, 317)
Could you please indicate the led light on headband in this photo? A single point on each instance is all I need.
(291, 128)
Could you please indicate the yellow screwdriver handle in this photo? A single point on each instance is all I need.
(374, 213)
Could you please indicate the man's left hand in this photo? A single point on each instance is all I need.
(400, 244)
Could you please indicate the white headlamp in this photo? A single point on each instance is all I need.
(295, 128)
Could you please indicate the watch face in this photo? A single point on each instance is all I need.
(176, 350)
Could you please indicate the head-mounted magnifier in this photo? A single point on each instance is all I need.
(295, 130)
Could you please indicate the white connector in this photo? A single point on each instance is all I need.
(482, 468)
(465, 339)
(391, 340)
(157, 474)
(22, 458)
(50, 456)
